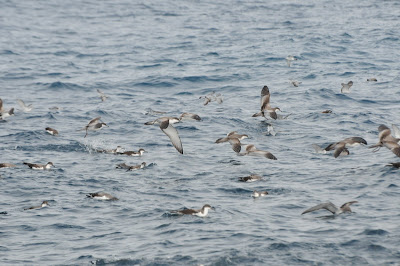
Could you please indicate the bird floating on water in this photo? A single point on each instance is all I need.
(289, 59)
(101, 196)
(40, 166)
(250, 178)
(44, 204)
(51, 131)
(257, 194)
(203, 212)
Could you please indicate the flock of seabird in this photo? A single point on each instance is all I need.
(233, 138)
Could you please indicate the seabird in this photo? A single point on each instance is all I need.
(133, 153)
(150, 111)
(346, 87)
(122, 166)
(332, 208)
(25, 108)
(3, 113)
(318, 149)
(118, 150)
(265, 105)
(40, 166)
(51, 131)
(201, 213)
(327, 111)
(289, 59)
(7, 165)
(212, 97)
(295, 83)
(387, 140)
(395, 165)
(341, 146)
(44, 204)
(253, 151)
(189, 116)
(234, 139)
(372, 79)
(3, 213)
(94, 124)
(250, 178)
(137, 167)
(101, 196)
(103, 97)
(169, 130)
(257, 194)
(270, 130)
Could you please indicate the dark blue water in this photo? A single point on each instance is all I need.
(164, 55)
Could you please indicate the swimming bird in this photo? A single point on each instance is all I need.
(270, 130)
(387, 140)
(395, 165)
(289, 59)
(166, 127)
(94, 124)
(372, 79)
(189, 116)
(7, 165)
(327, 111)
(133, 153)
(44, 204)
(341, 146)
(101, 196)
(265, 105)
(3, 213)
(137, 167)
(253, 151)
(295, 83)
(257, 194)
(4, 113)
(250, 178)
(346, 87)
(122, 166)
(203, 212)
(40, 166)
(118, 150)
(103, 97)
(25, 108)
(51, 131)
(331, 207)
(234, 139)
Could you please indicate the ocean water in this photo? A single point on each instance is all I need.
(164, 55)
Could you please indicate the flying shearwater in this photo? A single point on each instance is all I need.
(94, 124)
(122, 166)
(265, 105)
(289, 59)
(102, 96)
(234, 139)
(189, 116)
(7, 165)
(4, 113)
(166, 127)
(341, 146)
(101, 196)
(332, 208)
(40, 166)
(44, 204)
(212, 97)
(253, 151)
(51, 131)
(200, 213)
(257, 194)
(387, 140)
(25, 108)
(133, 153)
(346, 87)
(295, 83)
(250, 178)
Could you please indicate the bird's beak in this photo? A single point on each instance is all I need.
(213, 208)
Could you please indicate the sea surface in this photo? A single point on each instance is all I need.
(164, 55)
